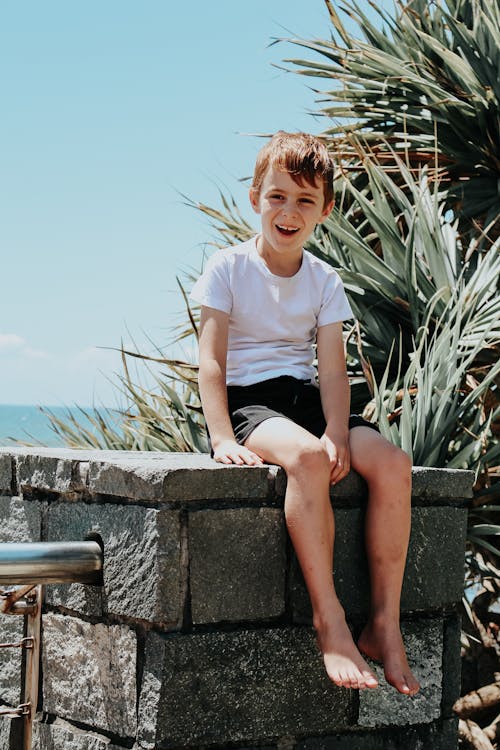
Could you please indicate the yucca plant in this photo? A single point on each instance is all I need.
(427, 74)
(164, 415)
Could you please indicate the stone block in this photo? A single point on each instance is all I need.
(142, 561)
(5, 725)
(50, 472)
(6, 474)
(452, 485)
(424, 646)
(11, 631)
(20, 520)
(60, 735)
(151, 690)
(452, 664)
(237, 561)
(89, 673)
(433, 574)
(176, 477)
(435, 736)
(10, 734)
(250, 685)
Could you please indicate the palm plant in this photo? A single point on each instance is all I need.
(427, 74)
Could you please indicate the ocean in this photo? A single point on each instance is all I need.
(28, 424)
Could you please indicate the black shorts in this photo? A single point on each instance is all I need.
(285, 396)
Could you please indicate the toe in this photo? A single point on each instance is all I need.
(369, 679)
(355, 683)
(403, 683)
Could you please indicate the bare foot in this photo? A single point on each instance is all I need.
(343, 663)
(385, 644)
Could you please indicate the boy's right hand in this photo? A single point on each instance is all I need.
(231, 452)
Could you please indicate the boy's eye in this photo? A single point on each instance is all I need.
(307, 200)
(276, 196)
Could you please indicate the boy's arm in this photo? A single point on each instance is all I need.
(335, 397)
(213, 391)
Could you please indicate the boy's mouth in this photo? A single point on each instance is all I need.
(287, 231)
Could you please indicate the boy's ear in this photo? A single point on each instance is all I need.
(253, 194)
(327, 211)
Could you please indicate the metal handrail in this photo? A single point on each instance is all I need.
(24, 567)
(50, 562)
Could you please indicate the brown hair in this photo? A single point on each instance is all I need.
(305, 157)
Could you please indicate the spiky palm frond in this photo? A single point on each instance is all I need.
(434, 410)
(164, 416)
(427, 75)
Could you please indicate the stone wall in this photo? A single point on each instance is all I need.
(200, 635)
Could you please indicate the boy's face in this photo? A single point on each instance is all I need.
(289, 212)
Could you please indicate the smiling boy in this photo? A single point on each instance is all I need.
(266, 303)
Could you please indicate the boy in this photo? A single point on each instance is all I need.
(265, 303)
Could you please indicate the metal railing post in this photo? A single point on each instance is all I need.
(28, 566)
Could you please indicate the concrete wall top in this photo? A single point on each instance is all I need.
(156, 477)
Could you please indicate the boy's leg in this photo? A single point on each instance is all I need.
(387, 471)
(310, 523)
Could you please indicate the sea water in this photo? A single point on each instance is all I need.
(30, 425)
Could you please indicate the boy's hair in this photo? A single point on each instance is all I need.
(303, 156)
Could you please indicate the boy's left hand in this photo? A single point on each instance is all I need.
(338, 452)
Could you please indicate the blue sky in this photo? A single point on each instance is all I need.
(109, 111)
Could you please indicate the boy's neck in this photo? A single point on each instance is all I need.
(279, 265)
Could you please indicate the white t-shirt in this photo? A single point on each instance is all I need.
(272, 319)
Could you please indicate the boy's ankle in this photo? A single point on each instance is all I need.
(382, 619)
(324, 619)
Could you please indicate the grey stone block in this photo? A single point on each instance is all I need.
(11, 631)
(185, 476)
(6, 474)
(142, 561)
(436, 736)
(176, 477)
(247, 686)
(433, 575)
(452, 664)
(151, 690)
(60, 735)
(90, 673)
(385, 705)
(20, 520)
(237, 564)
(50, 472)
(443, 484)
(5, 734)
(10, 734)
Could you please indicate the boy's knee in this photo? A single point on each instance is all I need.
(401, 461)
(309, 456)
(394, 463)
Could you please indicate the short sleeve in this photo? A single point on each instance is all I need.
(334, 304)
(213, 288)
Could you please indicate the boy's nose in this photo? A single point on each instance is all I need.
(289, 209)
